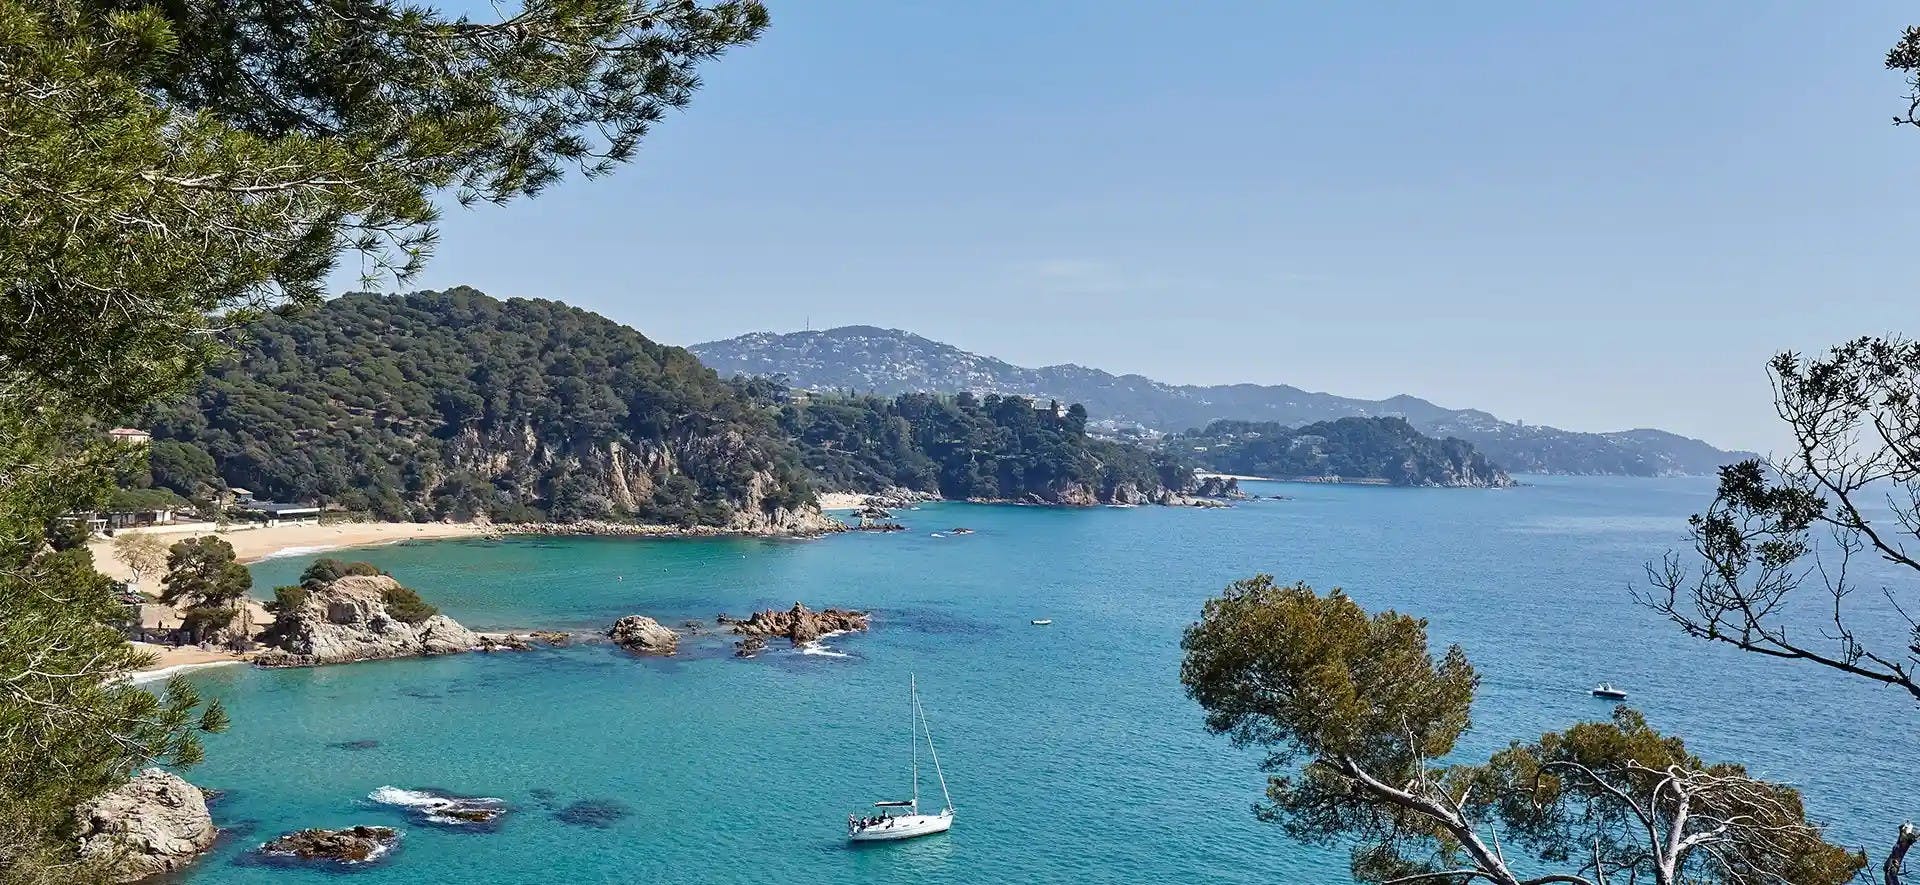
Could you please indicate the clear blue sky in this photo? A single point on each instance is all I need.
(1597, 215)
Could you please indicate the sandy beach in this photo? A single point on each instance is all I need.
(170, 661)
(254, 544)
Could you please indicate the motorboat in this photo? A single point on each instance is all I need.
(898, 819)
(1606, 690)
(1041, 622)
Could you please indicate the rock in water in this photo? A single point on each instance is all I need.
(643, 635)
(799, 624)
(348, 620)
(749, 647)
(443, 809)
(155, 823)
(351, 845)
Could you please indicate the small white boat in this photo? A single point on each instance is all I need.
(1606, 690)
(901, 819)
(1041, 622)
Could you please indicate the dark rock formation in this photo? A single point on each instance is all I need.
(800, 625)
(749, 646)
(1219, 487)
(155, 823)
(643, 635)
(352, 845)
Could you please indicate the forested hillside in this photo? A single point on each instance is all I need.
(1387, 450)
(455, 404)
(995, 448)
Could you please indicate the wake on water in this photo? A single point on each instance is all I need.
(455, 811)
(819, 646)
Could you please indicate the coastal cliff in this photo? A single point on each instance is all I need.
(455, 405)
(358, 618)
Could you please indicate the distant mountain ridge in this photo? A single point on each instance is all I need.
(892, 361)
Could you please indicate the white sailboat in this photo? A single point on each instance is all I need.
(901, 819)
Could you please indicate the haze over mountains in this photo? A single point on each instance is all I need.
(891, 361)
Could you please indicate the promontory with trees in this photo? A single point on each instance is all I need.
(456, 405)
(1386, 451)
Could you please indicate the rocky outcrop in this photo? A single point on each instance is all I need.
(352, 845)
(800, 625)
(155, 823)
(348, 620)
(643, 635)
(899, 497)
(749, 646)
(1219, 487)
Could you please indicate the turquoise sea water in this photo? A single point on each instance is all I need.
(1071, 752)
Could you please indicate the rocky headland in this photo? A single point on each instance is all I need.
(155, 823)
(360, 618)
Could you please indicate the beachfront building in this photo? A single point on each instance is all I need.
(276, 513)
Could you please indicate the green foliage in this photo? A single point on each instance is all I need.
(996, 448)
(202, 574)
(1355, 708)
(61, 647)
(171, 170)
(1384, 450)
(288, 599)
(406, 605)
(326, 570)
(454, 404)
(136, 500)
(67, 534)
(184, 468)
(1314, 676)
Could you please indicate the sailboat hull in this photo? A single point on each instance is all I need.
(906, 826)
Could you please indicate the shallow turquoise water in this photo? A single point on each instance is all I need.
(1071, 752)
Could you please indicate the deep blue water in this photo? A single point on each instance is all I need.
(1072, 754)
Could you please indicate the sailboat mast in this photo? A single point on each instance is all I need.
(913, 737)
(922, 714)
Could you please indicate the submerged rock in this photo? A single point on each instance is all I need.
(596, 813)
(348, 619)
(749, 647)
(352, 845)
(800, 625)
(643, 635)
(155, 823)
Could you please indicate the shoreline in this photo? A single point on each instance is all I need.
(139, 677)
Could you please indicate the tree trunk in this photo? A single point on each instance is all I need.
(1897, 857)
